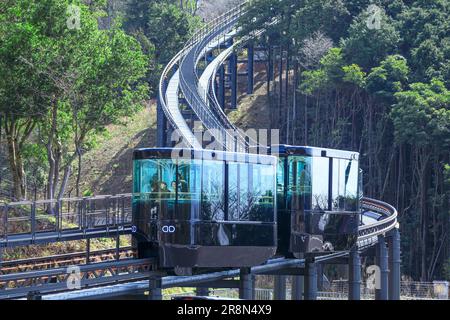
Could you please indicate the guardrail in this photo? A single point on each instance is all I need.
(29, 222)
(68, 259)
(203, 112)
(47, 281)
(57, 280)
(367, 234)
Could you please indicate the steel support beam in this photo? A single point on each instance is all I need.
(246, 286)
(394, 265)
(250, 68)
(310, 280)
(233, 79)
(221, 87)
(34, 295)
(88, 251)
(354, 275)
(320, 277)
(202, 292)
(270, 67)
(297, 288)
(161, 125)
(155, 288)
(381, 293)
(279, 288)
(223, 284)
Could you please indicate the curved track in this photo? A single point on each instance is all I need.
(200, 95)
(181, 77)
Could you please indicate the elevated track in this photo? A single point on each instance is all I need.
(108, 216)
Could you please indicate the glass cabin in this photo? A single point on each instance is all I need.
(204, 208)
(317, 199)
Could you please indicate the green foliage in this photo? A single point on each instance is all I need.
(297, 19)
(383, 92)
(421, 115)
(70, 82)
(168, 28)
(88, 193)
(366, 47)
(354, 74)
(162, 27)
(388, 78)
(330, 71)
(424, 29)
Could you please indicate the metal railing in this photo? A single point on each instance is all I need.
(67, 259)
(92, 275)
(51, 220)
(409, 290)
(208, 118)
(216, 122)
(367, 233)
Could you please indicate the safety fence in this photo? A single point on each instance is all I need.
(410, 290)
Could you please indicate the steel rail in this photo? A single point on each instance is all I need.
(213, 122)
(380, 227)
(92, 275)
(43, 281)
(76, 258)
(176, 60)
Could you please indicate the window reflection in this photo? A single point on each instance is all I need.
(320, 172)
(187, 185)
(213, 196)
(250, 192)
(193, 190)
(262, 194)
(345, 185)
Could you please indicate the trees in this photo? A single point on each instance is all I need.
(421, 119)
(365, 46)
(73, 83)
(24, 94)
(162, 27)
(382, 92)
(168, 28)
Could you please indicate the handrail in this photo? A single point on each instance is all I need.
(207, 35)
(370, 231)
(195, 39)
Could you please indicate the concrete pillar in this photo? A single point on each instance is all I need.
(354, 275)
(246, 285)
(297, 288)
(279, 288)
(250, 68)
(155, 288)
(310, 280)
(382, 262)
(394, 265)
